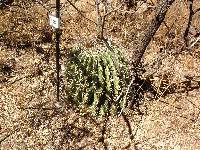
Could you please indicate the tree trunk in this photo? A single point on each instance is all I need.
(153, 26)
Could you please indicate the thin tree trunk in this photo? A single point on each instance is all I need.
(153, 26)
(99, 21)
(191, 13)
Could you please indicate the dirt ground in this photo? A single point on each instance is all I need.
(31, 118)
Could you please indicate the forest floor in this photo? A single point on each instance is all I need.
(32, 118)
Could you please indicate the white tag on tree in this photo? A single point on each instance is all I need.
(54, 22)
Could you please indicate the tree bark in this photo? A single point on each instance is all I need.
(152, 27)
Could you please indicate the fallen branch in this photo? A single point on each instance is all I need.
(5, 135)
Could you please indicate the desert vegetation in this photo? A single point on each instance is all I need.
(129, 75)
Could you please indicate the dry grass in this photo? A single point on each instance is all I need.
(30, 116)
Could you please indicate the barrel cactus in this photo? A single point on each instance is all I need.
(97, 78)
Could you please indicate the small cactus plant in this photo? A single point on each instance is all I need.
(96, 77)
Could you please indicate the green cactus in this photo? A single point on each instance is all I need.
(95, 78)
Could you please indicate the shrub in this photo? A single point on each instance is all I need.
(97, 78)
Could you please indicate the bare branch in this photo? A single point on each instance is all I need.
(196, 10)
(5, 135)
(80, 11)
(191, 13)
(99, 21)
(125, 97)
(193, 43)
